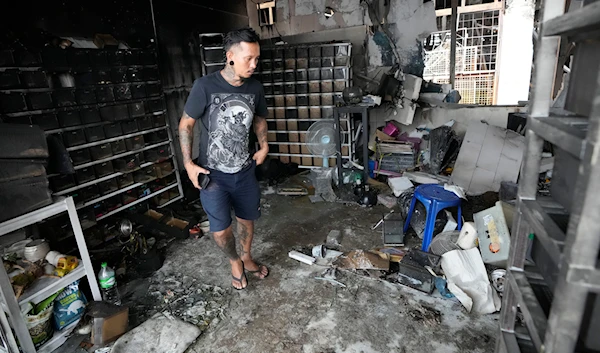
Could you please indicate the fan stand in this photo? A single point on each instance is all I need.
(325, 140)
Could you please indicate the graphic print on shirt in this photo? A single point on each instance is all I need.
(230, 120)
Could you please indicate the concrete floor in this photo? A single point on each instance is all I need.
(290, 311)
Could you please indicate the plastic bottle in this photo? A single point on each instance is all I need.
(108, 285)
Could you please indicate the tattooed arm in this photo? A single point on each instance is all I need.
(186, 137)
(260, 128)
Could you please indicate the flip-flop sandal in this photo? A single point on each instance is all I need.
(241, 279)
(258, 273)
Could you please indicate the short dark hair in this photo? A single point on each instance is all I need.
(237, 36)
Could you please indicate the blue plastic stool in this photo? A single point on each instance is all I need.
(435, 199)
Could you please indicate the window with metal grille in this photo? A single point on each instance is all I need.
(476, 56)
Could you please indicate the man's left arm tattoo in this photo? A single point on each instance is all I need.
(260, 128)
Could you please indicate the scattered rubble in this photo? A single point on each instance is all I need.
(161, 333)
(183, 297)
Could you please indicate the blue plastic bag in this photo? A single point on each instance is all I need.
(69, 306)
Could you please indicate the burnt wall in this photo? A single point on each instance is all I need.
(395, 27)
(178, 25)
(32, 24)
(28, 21)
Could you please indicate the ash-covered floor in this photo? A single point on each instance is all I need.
(290, 311)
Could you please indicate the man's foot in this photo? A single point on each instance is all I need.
(258, 270)
(238, 276)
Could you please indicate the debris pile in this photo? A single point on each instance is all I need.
(183, 297)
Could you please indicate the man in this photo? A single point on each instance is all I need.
(226, 104)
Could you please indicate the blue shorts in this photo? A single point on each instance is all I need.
(239, 191)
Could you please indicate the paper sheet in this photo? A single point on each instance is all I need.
(399, 185)
(468, 281)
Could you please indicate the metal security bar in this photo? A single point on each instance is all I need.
(476, 56)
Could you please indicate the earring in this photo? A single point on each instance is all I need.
(231, 63)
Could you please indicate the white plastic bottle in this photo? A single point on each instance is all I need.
(108, 285)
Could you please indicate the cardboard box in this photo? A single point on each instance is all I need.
(104, 40)
(109, 322)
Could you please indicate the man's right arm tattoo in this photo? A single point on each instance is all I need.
(186, 136)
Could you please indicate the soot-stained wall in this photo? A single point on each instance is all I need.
(129, 21)
(178, 25)
(405, 22)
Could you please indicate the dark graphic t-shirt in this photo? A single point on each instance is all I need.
(225, 114)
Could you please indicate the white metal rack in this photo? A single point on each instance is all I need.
(574, 252)
(43, 287)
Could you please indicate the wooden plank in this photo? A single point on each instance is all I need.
(471, 8)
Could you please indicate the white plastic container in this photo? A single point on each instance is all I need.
(468, 236)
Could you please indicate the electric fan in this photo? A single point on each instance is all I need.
(321, 140)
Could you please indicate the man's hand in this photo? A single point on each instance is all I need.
(260, 155)
(193, 170)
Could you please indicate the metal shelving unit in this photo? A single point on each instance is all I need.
(78, 107)
(72, 128)
(107, 75)
(302, 85)
(212, 54)
(118, 138)
(126, 206)
(43, 287)
(573, 252)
